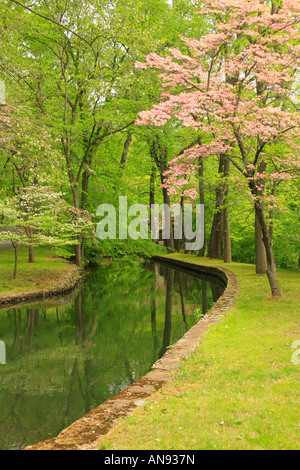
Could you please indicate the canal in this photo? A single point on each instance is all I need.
(65, 356)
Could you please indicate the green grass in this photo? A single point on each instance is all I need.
(45, 273)
(239, 390)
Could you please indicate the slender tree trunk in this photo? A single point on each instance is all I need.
(260, 213)
(202, 201)
(170, 241)
(260, 251)
(271, 265)
(271, 211)
(275, 7)
(78, 251)
(179, 243)
(78, 238)
(227, 240)
(31, 254)
(152, 185)
(215, 250)
(16, 249)
(152, 190)
(84, 186)
(126, 149)
(159, 155)
(30, 248)
(83, 205)
(29, 234)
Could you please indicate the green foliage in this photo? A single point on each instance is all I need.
(73, 94)
(286, 238)
(95, 250)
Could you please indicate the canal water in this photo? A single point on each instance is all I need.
(66, 356)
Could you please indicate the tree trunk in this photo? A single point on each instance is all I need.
(215, 250)
(275, 7)
(170, 241)
(152, 185)
(30, 248)
(78, 248)
(83, 203)
(227, 240)
(159, 155)
(271, 211)
(202, 200)
(260, 251)
(84, 186)
(16, 249)
(152, 190)
(180, 242)
(271, 265)
(31, 254)
(126, 149)
(78, 251)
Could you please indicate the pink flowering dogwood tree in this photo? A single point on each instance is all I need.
(236, 86)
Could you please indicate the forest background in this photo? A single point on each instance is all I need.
(72, 138)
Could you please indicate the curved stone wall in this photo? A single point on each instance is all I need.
(67, 284)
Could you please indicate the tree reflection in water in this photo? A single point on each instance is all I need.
(66, 356)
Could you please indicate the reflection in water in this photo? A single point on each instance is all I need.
(66, 356)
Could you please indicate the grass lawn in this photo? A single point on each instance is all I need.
(239, 389)
(45, 273)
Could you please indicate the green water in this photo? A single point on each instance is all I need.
(66, 356)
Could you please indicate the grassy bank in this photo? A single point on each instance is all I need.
(45, 273)
(240, 389)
